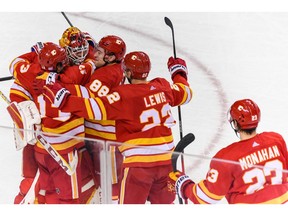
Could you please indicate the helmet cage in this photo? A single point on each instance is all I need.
(77, 54)
(75, 44)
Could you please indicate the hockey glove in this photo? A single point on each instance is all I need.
(180, 181)
(44, 79)
(52, 78)
(90, 40)
(177, 66)
(55, 94)
(37, 47)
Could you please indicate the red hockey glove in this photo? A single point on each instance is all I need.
(180, 181)
(55, 94)
(44, 78)
(177, 66)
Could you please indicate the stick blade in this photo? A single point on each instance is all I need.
(182, 144)
(168, 22)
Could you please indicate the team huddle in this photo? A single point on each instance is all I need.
(73, 100)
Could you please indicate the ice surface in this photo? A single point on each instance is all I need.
(230, 56)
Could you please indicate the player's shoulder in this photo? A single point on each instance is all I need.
(29, 56)
(271, 135)
(108, 72)
(110, 68)
(161, 81)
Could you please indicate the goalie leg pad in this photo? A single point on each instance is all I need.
(24, 115)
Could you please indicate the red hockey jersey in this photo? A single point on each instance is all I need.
(248, 171)
(143, 117)
(101, 82)
(25, 69)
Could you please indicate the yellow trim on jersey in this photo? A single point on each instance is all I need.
(207, 192)
(123, 183)
(195, 193)
(104, 135)
(65, 145)
(102, 108)
(113, 165)
(103, 122)
(64, 128)
(88, 109)
(43, 76)
(278, 200)
(78, 90)
(20, 93)
(184, 88)
(146, 142)
(147, 158)
(92, 196)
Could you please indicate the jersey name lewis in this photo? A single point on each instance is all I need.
(154, 99)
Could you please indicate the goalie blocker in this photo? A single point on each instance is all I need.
(25, 116)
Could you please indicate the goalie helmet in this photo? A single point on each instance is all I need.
(76, 45)
(138, 63)
(113, 45)
(246, 113)
(51, 56)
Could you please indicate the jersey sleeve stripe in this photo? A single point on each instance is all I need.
(101, 108)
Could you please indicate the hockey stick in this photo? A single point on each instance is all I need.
(63, 13)
(70, 167)
(169, 23)
(6, 78)
(3, 96)
(182, 144)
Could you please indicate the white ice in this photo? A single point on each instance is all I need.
(230, 56)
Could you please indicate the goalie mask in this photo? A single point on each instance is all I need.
(75, 44)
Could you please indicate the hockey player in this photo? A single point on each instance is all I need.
(109, 74)
(112, 49)
(255, 172)
(77, 45)
(25, 68)
(52, 176)
(18, 93)
(144, 120)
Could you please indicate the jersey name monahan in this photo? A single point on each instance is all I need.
(259, 156)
